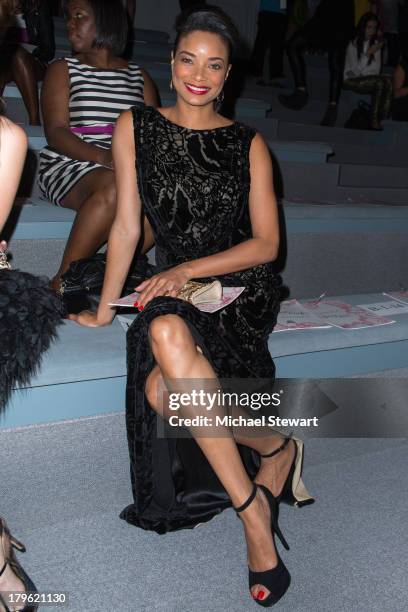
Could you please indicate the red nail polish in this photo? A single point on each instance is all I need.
(261, 594)
(136, 304)
(141, 308)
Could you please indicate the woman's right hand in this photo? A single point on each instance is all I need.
(86, 318)
(374, 48)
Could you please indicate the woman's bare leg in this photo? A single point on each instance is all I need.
(94, 197)
(177, 358)
(26, 72)
(272, 472)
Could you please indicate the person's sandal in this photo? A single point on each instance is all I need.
(294, 492)
(277, 579)
(8, 543)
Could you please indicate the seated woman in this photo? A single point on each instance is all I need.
(25, 334)
(362, 70)
(400, 89)
(82, 97)
(25, 50)
(206, 186)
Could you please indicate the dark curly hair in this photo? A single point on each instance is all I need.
(208, 18)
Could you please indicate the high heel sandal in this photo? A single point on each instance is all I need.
(8, 542)
(277, 579)
(294, 492)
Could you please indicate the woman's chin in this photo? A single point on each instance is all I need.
(193, 100)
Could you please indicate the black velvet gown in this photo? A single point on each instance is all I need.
(194, 186)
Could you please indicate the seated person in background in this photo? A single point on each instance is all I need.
(362, 71)
(81, 100)
(329, 29)
(400, 88)
(26, 47)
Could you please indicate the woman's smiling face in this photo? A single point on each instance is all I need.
(200, 66)
(81, 25)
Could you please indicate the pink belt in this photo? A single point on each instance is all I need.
(94, 129)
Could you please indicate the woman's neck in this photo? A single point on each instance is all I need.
(195, 117)
(101, 58)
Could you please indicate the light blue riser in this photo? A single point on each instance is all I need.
(68, 401)
(84, 372)
(94, 397)
(345, 363)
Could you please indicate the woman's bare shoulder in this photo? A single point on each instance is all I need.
(12, 135)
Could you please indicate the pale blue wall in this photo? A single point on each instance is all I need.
(160, 15)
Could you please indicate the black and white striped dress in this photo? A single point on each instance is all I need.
(97, 97)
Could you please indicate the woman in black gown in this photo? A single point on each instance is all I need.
(205, 184)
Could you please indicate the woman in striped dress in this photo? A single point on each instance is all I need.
(81, 99)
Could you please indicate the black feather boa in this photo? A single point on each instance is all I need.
(30, 313)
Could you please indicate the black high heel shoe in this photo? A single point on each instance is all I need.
(294, 492)
(277, 579)
(7, 542)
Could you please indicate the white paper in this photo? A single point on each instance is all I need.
(292, 316)
(399, 296)
(343, 315)
(229, 295)
(391, 307)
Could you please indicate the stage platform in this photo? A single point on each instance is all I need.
(84, 372)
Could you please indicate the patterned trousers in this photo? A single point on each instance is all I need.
(380, 88)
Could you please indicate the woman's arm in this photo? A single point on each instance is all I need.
(55, 108)
(375, 51)
(125, 231)
(351, 66)
(261, 248)
(151, 97)
(13, 148)
(398, 83)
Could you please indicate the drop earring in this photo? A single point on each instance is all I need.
(220, 98)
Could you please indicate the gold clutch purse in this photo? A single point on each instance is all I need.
(201, 293)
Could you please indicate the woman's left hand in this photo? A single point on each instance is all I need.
(164, 283)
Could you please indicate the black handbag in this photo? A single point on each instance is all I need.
(82, 283)
(360, 118)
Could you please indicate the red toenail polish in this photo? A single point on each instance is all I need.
(261, 594)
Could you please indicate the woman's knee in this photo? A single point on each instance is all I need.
(170, 330)
(105, 196)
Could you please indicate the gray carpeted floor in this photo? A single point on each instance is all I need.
(63, 486)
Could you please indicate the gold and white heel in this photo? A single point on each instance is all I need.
(294, 492)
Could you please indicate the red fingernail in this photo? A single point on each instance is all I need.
(261, 594)
(136, 304)
(141, 308)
